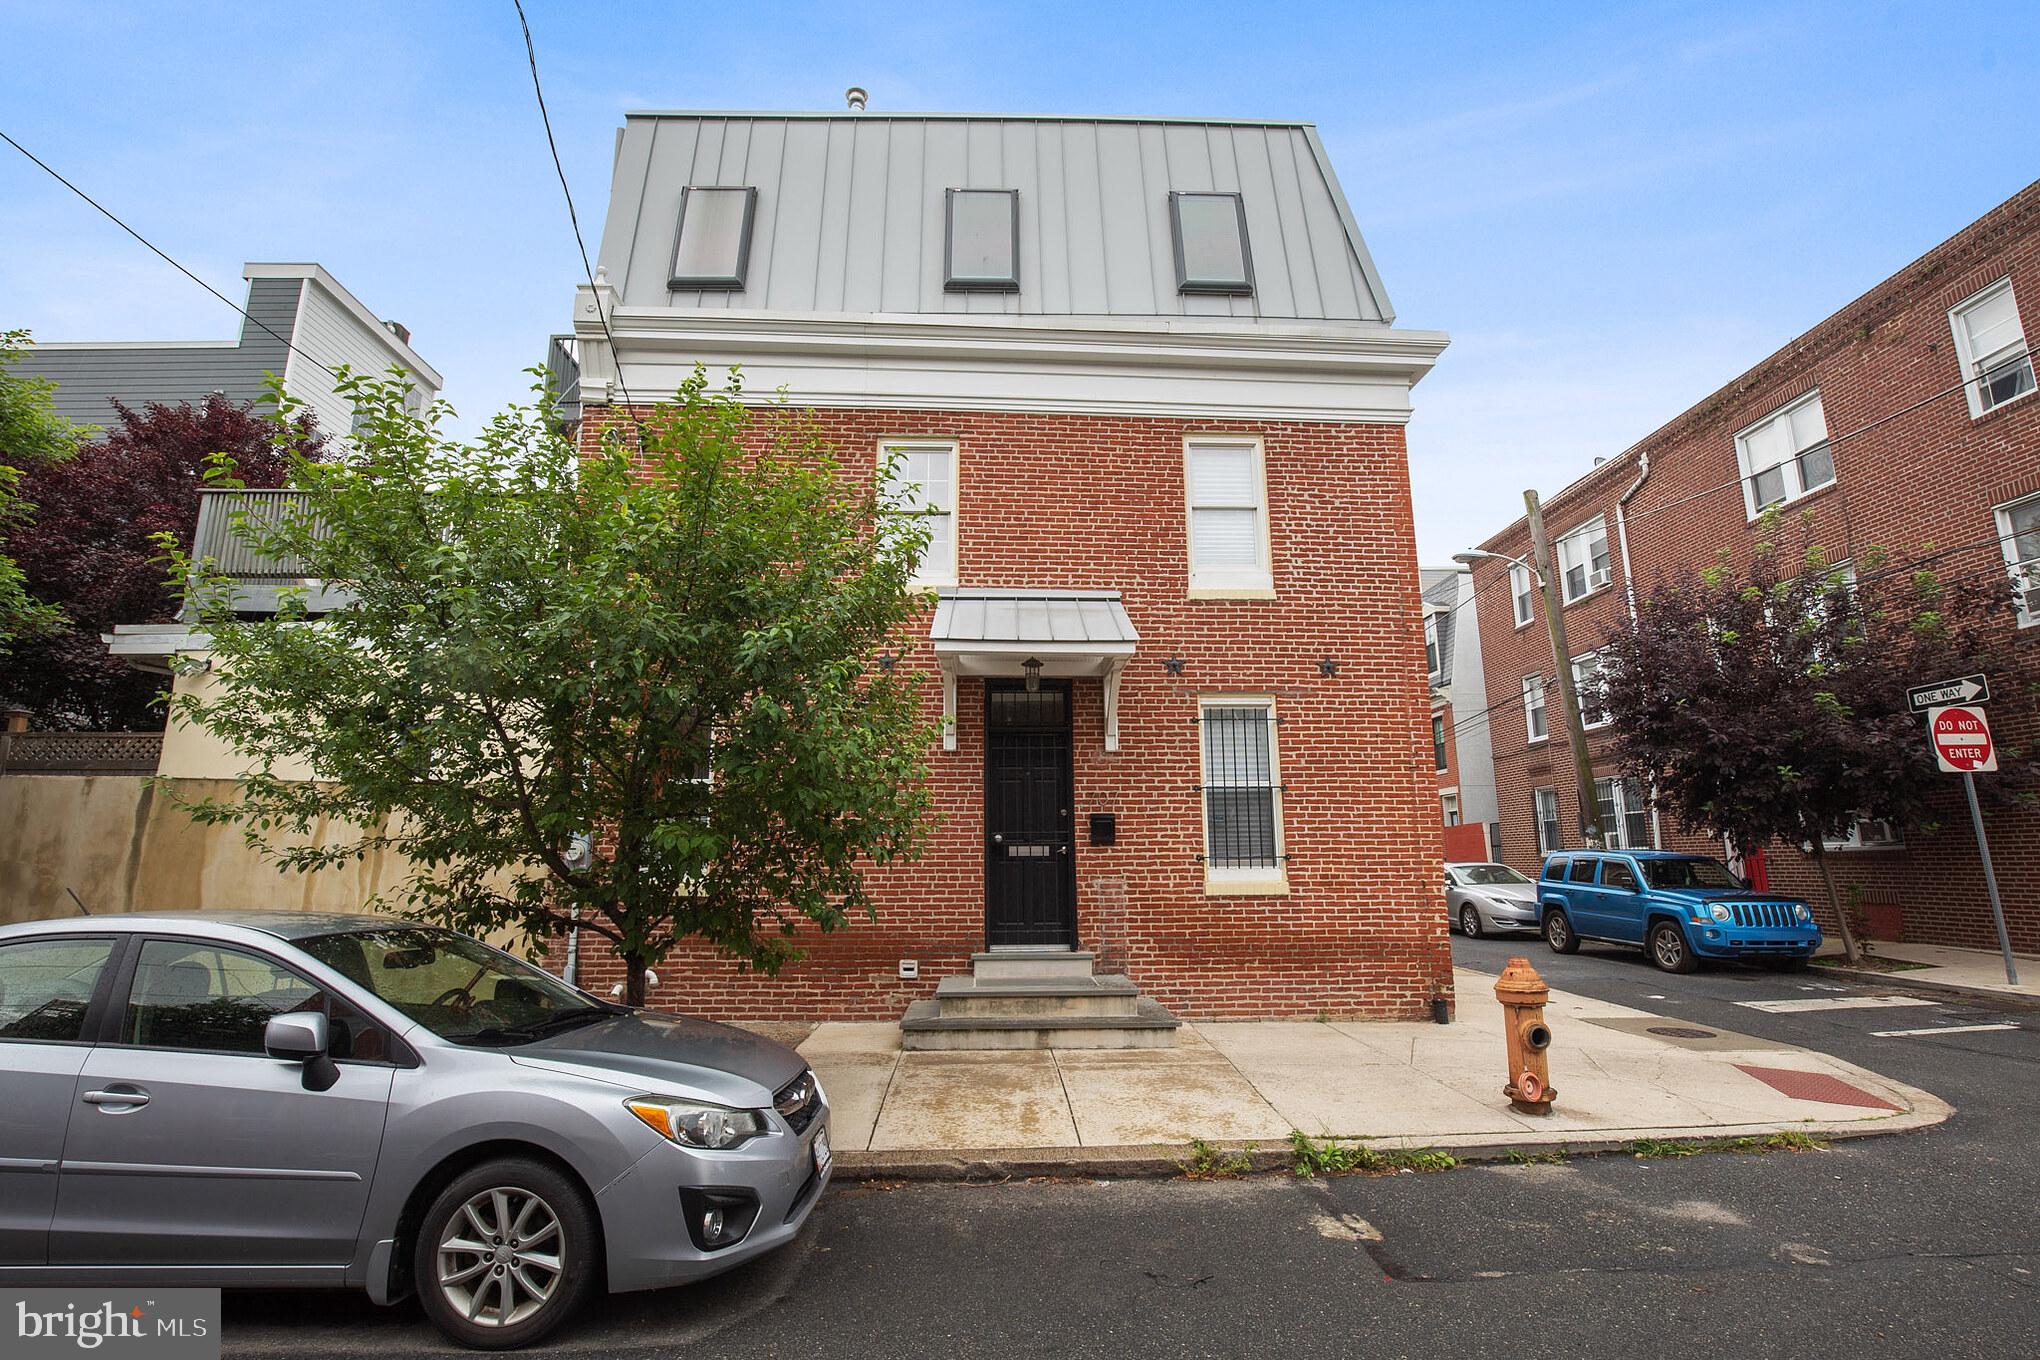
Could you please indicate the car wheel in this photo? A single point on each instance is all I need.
(1669, 950)
(505, 1254)
(1469, 921)
(1559, 935)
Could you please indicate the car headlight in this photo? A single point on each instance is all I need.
(1802, 913)
(693, 1124)
(1720, 913)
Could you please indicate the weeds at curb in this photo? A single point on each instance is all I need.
(1526, 1157)
(1663, 1147)
(1329, 1158)
(1210, 1163)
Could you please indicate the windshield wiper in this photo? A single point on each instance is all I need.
(524, 1034)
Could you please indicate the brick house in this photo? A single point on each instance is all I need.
(1461, 746)
(1851, 423)
(1149, 389)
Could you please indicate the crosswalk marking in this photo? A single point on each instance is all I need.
(1936, 1029)
(1834, 1003)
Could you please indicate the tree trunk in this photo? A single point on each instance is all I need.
(633, 980)
(1850, 950)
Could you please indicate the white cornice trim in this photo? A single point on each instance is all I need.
(1189, 367)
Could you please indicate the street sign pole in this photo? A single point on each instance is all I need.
(1997, 908)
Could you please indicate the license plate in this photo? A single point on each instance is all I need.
(822, 1150)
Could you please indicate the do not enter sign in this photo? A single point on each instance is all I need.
(1961, 738)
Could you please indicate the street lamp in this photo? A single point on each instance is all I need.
(1561, 657)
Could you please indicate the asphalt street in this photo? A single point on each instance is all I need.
(1922, 1244)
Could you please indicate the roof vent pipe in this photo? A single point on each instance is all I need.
(855, 97)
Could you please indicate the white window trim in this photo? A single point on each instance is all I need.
(1854, 842)
(1543, 709)
(1577, 679)
(1453, 794)
(1584, 531)
(1522, 595)
(1537, 819)
(1972, 381)
(2025, 577)
(906, 443)
(1242, 882)
(1620, 800)
(1791, 464)
(1229, 583)
(1434, 658)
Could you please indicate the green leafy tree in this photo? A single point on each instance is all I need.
(1768, 702)
(663, 642)
(32, 435)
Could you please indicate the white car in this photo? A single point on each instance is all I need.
(1481, 897)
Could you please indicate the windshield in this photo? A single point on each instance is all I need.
(458, 988)
(1689, 873)
(1486, 875)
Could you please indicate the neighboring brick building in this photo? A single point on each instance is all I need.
(1151, 392)
(1865, 425)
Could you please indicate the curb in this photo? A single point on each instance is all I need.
(1161, 1161)
(1906, 984)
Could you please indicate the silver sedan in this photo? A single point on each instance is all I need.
(350, 1101)
(1480, 897)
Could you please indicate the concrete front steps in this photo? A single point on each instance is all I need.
(1036, 998)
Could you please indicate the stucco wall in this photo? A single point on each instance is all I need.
(123, 844)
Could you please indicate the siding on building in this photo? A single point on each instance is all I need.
(91, 377)
(1922, 475)
(300, 324)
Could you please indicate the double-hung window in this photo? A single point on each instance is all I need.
(1242, 795)
(1583, 559)
(1990, 342)
(1227, 485)
(1586, 678)
(1438, 739)
(1625, 817)
(1544, 805)
(1431, 660)
(921, 481)
(2018, 526)
(1519, 593)
(1448, 807)
(1535, 726)
(1785, 455)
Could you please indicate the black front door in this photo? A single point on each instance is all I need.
(1030, 879)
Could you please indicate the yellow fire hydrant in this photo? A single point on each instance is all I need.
(1523, 994)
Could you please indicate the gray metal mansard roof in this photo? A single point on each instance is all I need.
(850, 213)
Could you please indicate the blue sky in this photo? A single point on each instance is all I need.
(1612, 209)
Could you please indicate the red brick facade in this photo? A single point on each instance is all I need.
(1922, 476)
(1065, 501)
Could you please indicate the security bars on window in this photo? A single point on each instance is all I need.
(1240, 789)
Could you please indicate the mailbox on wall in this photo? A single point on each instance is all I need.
(1104, 828)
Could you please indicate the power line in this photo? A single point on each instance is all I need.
(587, 268)
(164, 255)
(1842, 438)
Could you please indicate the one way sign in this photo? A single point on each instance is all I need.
(1964, 689)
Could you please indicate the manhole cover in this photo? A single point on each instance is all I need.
(1679, 1032)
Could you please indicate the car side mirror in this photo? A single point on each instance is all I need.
(302, 1036)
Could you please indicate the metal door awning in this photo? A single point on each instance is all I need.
(980, 631)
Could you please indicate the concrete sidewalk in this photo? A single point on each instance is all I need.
(1975, 973)
(1619, 1074)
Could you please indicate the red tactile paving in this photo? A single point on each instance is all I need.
(1817, 1086)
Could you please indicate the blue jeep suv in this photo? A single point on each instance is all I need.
(1680, 908)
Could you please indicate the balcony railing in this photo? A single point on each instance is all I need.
(80, 752)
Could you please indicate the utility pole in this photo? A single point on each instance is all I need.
(1568, 697)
